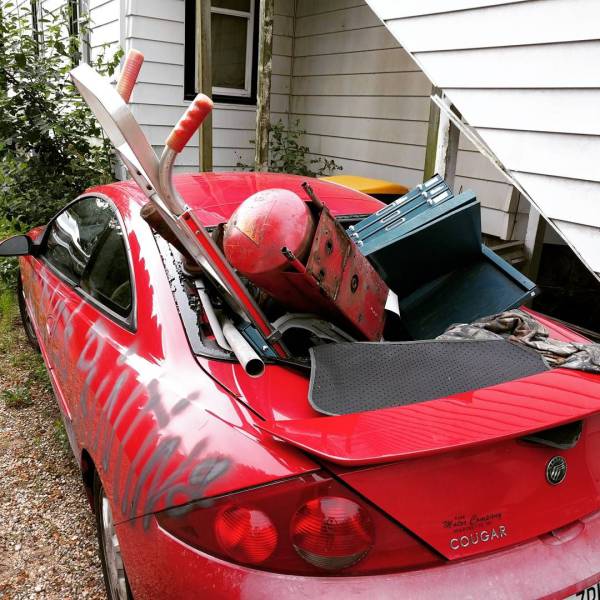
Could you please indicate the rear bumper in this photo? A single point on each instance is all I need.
(160, 567)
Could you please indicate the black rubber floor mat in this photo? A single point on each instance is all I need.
(355, 377)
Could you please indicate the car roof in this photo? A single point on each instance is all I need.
(214, 196)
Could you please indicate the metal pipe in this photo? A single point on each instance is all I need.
(248, 358)
(209, 311)
(203, 249)
(293, 260)
(170, 197)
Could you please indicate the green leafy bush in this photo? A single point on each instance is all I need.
(9, 267)
(51, 147)
(288, 155)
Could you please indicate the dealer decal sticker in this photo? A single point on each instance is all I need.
(476, 529)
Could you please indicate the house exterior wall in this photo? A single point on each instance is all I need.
(360, 96)
(364, 102)
(104, 23)
(156, 28)
(524, 74)
(105, 26)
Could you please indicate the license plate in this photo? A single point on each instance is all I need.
(589, 593)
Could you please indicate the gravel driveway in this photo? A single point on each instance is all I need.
(47, 531)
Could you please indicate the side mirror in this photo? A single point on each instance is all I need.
(18, 245)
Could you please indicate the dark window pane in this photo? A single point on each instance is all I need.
(73, 235)
(243, 5)
(107, 279)
(229, 51)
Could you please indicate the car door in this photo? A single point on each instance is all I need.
(85, 288)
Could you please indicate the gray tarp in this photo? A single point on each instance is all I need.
(521, 328)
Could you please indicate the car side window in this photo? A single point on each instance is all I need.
(74, 233)
(107, 278)
(85, 244)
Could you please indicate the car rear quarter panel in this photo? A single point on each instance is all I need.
(160, 430)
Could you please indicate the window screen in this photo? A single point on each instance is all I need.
(229, 35)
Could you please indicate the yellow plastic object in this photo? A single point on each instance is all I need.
(373, 187)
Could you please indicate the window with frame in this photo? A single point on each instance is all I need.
(234, 47)
(85, 245)
(78, 11)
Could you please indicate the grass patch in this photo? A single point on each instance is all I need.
(8, 316)
(23, 375)
(17, 397)
(8, 310)
(60, 435)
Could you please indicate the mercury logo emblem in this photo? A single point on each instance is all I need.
(556, 470)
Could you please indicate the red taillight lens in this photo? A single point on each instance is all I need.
(332, 533)
(245, 534)
(307, 525)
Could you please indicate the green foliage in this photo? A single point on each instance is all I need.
(17, 397)
(60, 435)
(9, 267)
(8, 310)
(51, 147)
(288, 155)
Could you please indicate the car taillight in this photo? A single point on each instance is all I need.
(332, 533)
(245, 534)
(308, 525)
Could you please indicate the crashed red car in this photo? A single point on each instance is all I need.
(209, 482)
(194, 398)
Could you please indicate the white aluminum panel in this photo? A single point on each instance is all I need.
(565, 199)
(501, 25)
(559, 155)
(552, 110)
(543, 66)
(392, 9)
(585, 240)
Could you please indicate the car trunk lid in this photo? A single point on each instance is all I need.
(457, 472)
(504, 411)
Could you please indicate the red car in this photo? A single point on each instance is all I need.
(208, 482)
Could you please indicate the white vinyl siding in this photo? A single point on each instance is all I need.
(105, 27)
(364, 102)
(156, 28)
(360, 96)
(525, 76)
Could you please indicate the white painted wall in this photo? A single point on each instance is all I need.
(156, 28)
(361, 98)
(105, 26)
(364, 102)
(525, 75)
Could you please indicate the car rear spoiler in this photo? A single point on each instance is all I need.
(509, 410)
